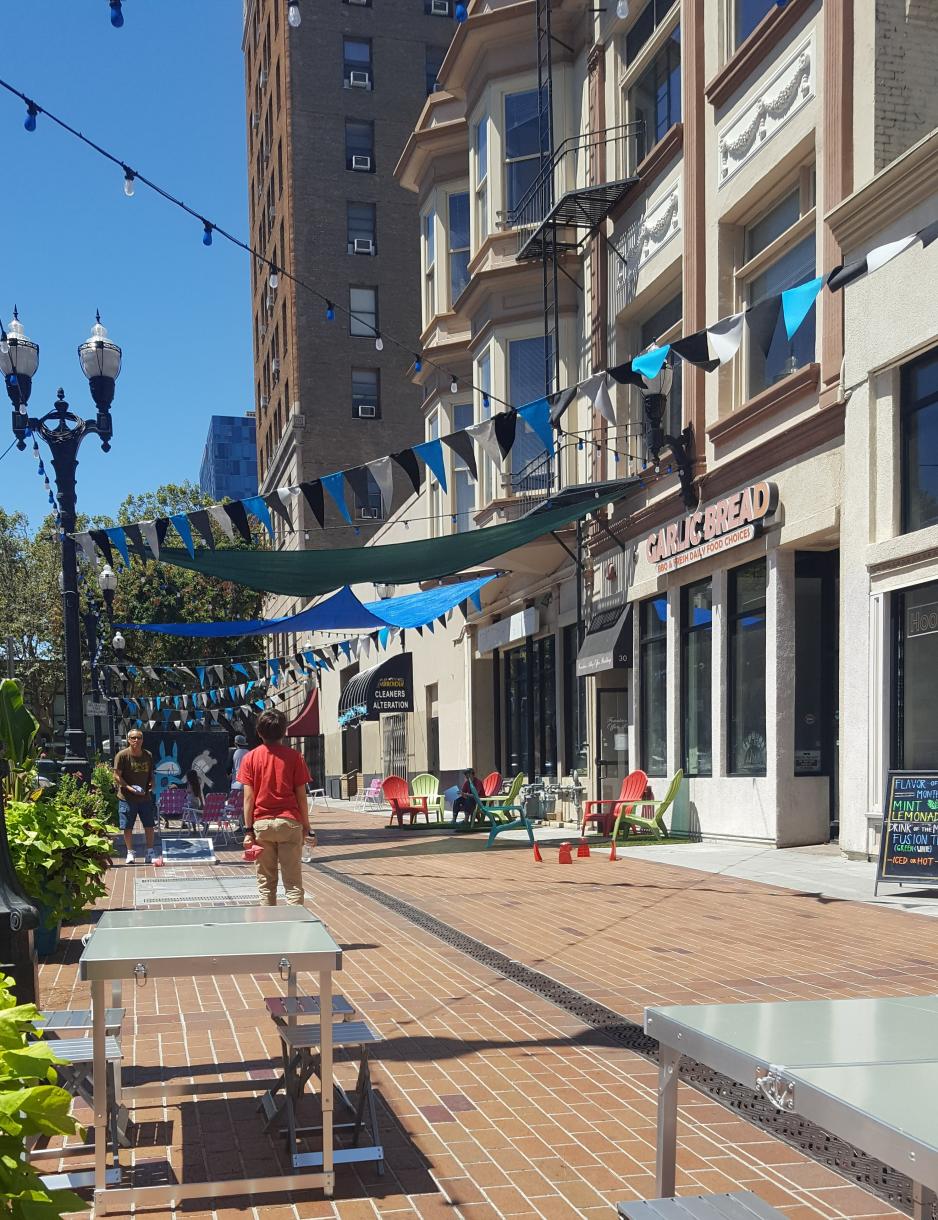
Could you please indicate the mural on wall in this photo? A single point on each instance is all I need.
(174, 754)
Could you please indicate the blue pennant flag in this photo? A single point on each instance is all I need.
(181, 522)
(797, 301)
(431, 454)
(159, 702)
(383, 636)
(275, 670)
(476, 599)
(200, 670)
(650, 363)
(117, 536)
(259, 703)
(258, 507)
(240, 669)
(231, 691)
(310, 658)
(250, 686)
(335, 486)
(132, 670)
(537, 416)
(175, 700)
(188, 724)
(346, 648)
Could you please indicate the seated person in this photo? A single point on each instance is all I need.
(466, 803)
(195, 802)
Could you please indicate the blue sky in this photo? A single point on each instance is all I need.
(166, 94)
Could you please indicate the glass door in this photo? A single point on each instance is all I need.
(612, 725)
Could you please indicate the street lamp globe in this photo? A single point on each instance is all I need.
(99, 356)
(118, 643)
(384, 589)
(19, 360)
(661, 383)
(107, 579)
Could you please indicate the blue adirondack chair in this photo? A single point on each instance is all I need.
(503, 813)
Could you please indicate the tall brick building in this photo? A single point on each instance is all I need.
(330, 105)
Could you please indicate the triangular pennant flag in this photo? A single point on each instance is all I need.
(186, 670)
(476, 599)
(258, 506)
(506, 425)
(650, 363)
(279, 503)
(116, 535)
(258, 668)
(383, 636)
(86, 542)
(383, 474)
(218, 671)
(929, 234)
(149, 531)
(762, 320)
(624, 374)
(239, 668)
(724, 337)
(136, 541)
(695, 350)
(407, 461)
(312, 493)
(596, 389)
(151, 673)
(419, 631)
(537, 416)
(360, 483)
(797, 301)
(882, 255)
(841, 276)
(335, 486)
(484, 434)
(181, 524)
(274, 665)
(239, 518)
(346, 647)
(218, 514)
(441, 619)
(200, 670)
(464, 607)
(559, 403)
(461, 445)
(201, 521)
(431, 454)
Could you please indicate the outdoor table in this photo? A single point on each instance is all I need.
(204, 941)
(862, 1069)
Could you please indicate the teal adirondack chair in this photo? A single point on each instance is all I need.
(429, 786)
(502, 812)
(659, 808)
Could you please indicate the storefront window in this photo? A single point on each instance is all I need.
(574, 706)
(916, 663)
(654, 678)
(746, 679)
(530, 702)
(696, 669)
(920, 443)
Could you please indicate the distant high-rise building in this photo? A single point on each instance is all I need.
(229, 460)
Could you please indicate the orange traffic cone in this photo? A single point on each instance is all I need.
(583, 849)
(612, 853)
(538, 858)
(565, 856)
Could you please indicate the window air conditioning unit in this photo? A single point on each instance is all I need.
(358, 78)
(439, 8)
(366, 410)
(363, 245)
(360, 3)
(367, 513)
(361, 161)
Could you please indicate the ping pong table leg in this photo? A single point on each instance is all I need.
(99, 1077)
(922, 1200)
(665, 1167)
(325, 1077)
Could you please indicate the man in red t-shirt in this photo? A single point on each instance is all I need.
(276, 813)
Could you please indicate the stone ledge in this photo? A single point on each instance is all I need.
(766, 404)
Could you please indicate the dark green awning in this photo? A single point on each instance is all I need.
(310, 573)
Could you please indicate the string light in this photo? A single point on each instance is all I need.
(462, 12)
(274, 278)
(330, 312)
(207, 233)
(30, 121)
(379, 342)
(117, 16)
(294, 16)
(418, 363)
(454, 386)
(129, 176)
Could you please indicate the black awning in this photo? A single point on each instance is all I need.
(608, 641)
(388, 687)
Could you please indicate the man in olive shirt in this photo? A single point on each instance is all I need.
(133, 770)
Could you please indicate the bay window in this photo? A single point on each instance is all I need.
(522, 146)
(464, 488)
(481, 144)
(458, 244)
(429, 266)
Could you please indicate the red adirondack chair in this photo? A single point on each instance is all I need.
(492, 784)
(402, 801)
(604, 813)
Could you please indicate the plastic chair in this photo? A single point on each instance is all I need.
(502, 812)
(370, 797)
(604, 813)
(496, 804)
(428, 786)
(172, 804)
(659, 808)
(213, 815)
(399, 798)
(492, 783)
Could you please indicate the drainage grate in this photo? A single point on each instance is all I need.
(196, 891)
(826, 1149)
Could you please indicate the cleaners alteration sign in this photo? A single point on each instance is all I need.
(708, 531)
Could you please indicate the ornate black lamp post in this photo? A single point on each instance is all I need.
(63, 432)
(655, 402)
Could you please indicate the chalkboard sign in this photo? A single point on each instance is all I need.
(908, 848)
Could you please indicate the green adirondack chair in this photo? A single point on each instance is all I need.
(659, 808)
(429, 786)
(502, 812)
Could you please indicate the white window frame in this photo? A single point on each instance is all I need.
(362, 333)
(480, 224)
(457, 469)
(429, 237)
(488, 472)
(506, 160)
(630, 75)
(450, 248)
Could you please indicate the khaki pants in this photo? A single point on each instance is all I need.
(282, 841)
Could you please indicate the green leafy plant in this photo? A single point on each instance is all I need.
(105, 785)
(30, 1104)
(61, 849)
(18, 729)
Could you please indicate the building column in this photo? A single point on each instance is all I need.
(695, 114)
(780, 686)
(674, 679)
(719, 700)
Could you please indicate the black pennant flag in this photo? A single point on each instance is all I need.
(506, 423)
(407, 460)
(102, 542)
(461, 444)
(762, 320)
(360, 480)
(626, 375)
(276, 505)
(239, 519)
(313, 495)
(559, 403)
(695, 350)
(203, 523)
(135, 538)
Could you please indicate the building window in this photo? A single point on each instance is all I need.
(438, 8)
(648, 20)
(576, 745)
(360, 145)
(358, 3)
(527, 381)
(746, 677)
(746, 16)
(522, 146)
(458, 244)
(530, 707)
(663, 326)
(433, 59)
(362, 219)
(429, 266)
(696, 669)
(915, 663)
(481, 145)
(488, 472)
(464, 488)
(653, 659)
(357, 69)
(363, 311)
(655, 98)
(434, 491)
(779, 254)
(919, 390)
(369, 509)
(366, 398)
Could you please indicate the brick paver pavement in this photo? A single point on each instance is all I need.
(493, 1101)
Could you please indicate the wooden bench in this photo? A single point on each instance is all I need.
(741, 1206)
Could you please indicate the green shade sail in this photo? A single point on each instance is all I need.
(310, 573)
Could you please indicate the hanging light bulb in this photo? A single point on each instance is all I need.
(622, 9)
(294, 16)
(454, 386)
(461, 12)
(117, 17)
(30, 121)
(129, 176)
(330, 312)
(418, 363)
(379, 342)
(274, 278)
(206, 233)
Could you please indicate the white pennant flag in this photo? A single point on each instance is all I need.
(596, 389)
(223, 520)
(724, 338)
(884, 254)
(87, 547)
(484, 433)
(148, 529)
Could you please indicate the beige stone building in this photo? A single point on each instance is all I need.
(759, 611)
